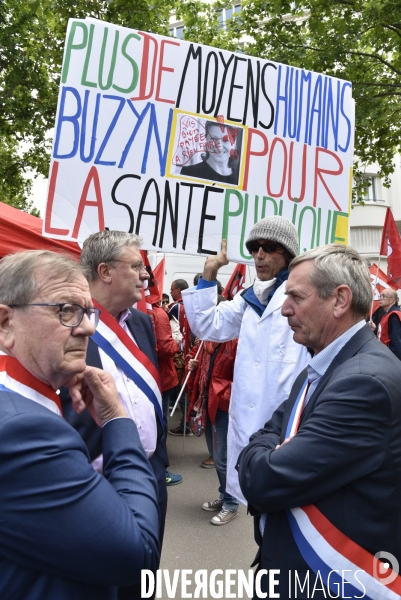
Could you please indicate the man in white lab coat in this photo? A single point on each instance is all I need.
(268, 360)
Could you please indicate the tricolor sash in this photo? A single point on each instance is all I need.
(15, 378)
(330, 552)
(296, 412)
(118, 345)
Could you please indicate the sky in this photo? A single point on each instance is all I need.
(39, 193)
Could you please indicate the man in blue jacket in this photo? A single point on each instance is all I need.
(65, 530)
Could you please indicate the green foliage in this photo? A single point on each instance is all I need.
(357, 40)
(32, 34)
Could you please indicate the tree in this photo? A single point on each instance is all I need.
(356, 40)
(32, 34)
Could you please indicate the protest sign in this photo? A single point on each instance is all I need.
(184, 144)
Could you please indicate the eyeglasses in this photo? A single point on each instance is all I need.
(165, 301)
(267, 247)
(137, 268)
(386, 297)
(70, 315)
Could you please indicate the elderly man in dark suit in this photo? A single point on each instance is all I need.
(323, 475)
(124, 345)
(66, 532)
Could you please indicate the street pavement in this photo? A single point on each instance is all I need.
(191, 541)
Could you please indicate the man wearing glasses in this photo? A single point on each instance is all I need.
(124, 345)
(389, 330)
(268, 360)
(65, 531)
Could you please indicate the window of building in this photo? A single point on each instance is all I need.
(177, 32)
(226, 14)
(371, 193)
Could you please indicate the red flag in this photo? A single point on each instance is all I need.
(158, 272)
(391, 247)
(236, 282)
(150, 290)
(378, 279)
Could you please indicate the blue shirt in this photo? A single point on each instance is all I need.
(319, 364)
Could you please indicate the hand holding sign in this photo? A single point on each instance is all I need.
(213, 263)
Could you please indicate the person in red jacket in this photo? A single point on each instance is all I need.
(166, 347)
(213, 379)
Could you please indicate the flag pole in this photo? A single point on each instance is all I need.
(184, 384)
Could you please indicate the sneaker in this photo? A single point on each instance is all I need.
(173, 479)
(213, 505)
(224, 517)
(180, 431)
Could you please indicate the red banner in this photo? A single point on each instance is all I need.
(235, 283)
(391, 247)
(378, 279)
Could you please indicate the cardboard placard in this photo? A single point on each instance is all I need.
(184, 144)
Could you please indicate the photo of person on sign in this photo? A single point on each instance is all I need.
(221, 158)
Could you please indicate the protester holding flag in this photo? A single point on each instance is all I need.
(177, 311)
(124, 345)
(389, 330)
(268, 360)
(323, 476)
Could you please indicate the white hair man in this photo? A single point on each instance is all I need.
(389, 330)
(65, 531)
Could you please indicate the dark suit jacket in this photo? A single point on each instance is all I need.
(141, 328)
(345, 458)
(66, 532)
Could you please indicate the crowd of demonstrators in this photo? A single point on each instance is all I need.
(66, 531)
(328, 451)
(116, 274)
(213, 375)
(177, 314)
(334, 447)
(268, 360)
(389, 326)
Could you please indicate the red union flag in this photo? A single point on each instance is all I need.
(391, 247)
(236, 282)
(378, 279)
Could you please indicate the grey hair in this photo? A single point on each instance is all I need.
(19, 273)
(336, 265)
(104, 247)
(181, 284)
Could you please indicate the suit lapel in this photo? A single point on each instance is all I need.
(362, 337)
(140, 335)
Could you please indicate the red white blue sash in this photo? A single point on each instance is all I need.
(118, 345)
(296, 412)
(15, 378)
(330, 552)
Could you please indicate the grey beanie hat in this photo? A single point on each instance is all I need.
(276, 229)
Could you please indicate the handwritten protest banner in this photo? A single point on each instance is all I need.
(184, 144)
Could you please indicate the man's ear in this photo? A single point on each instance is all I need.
(342, 300)
(6, 326)
(103, 272)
